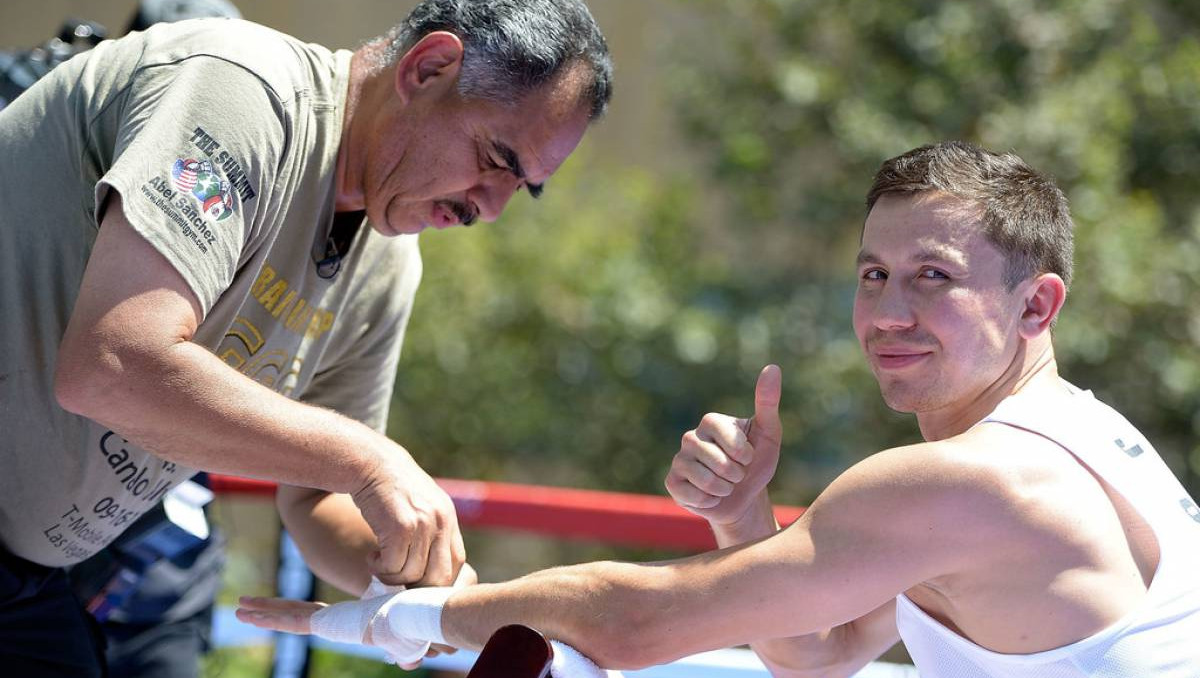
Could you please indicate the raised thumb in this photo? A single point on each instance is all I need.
(766, 406)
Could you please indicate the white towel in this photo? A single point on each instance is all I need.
(571, 663)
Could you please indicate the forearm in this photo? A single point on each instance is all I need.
(331, 534)
(627, 615)
(838, 652)
(187, 406)
(598, 608)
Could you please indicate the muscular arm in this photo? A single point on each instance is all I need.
(127, 362)
(881, 528)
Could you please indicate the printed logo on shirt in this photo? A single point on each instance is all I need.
(224, 161)
(198, 178)
(1190, 508)
(200, 188)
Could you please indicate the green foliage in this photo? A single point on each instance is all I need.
(573, 342)
(1102, 94)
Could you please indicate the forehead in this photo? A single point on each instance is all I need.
(929, 225)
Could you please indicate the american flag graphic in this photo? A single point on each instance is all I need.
(184, 172)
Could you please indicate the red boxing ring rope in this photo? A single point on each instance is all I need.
(610, 517)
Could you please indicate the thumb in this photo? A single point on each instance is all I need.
(767, 426)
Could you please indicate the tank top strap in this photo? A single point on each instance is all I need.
(1108, 444)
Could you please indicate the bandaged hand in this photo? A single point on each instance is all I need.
(402, 624)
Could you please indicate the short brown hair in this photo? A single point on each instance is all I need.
(1025, 214)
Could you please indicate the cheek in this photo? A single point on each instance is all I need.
(862, 318)
(982, 331)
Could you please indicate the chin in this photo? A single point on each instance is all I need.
(392, 229)
(906, 398)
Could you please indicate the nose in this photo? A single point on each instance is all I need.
(492, 194)
(893, 308)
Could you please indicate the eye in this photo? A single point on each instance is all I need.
(933, 274)
(491, 162)
(874, 274)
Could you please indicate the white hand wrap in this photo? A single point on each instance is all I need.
(571, 663)
(416, 613)
(402, 622)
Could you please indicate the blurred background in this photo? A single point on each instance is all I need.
(708, 225)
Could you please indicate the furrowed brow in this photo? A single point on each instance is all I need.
(510, 158)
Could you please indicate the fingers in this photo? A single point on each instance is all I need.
(439, 568)
(420, 543)
(278, 614)
(403, 560)
(767, 392)
(709, 464)
(688, 495)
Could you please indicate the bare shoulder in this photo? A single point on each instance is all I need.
(963, 494)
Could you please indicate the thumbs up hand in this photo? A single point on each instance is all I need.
(724, 464)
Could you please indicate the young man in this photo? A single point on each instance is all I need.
(1034, 533)
(187, 282)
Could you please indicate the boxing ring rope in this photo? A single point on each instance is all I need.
(609, 517)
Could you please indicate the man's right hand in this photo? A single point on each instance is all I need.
(725, 463)
(420, 543)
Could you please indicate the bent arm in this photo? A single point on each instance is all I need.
(880, 529)
(127, 361)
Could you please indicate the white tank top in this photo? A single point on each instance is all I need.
(1160, 637)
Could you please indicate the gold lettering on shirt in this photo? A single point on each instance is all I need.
(281, 301)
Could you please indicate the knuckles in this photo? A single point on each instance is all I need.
(690, 438)
(713, 421)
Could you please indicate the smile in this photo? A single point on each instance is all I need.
(896, 361)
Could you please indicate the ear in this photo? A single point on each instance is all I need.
(435, 61)
(1043, 299)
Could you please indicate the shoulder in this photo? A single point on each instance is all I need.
(283, 64)
(968, 491)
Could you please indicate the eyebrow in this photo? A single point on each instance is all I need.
(929, 255)
(510, 158)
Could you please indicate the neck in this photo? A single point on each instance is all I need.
(1033, 369)
(349, 177)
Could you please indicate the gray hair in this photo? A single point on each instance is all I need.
(1025, 214)
(511, 47)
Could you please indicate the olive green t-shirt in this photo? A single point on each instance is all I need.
(221, 138)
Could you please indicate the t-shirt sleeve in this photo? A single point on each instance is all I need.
(199, 141)
(357, 379)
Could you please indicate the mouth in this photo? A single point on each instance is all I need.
(896, 359)
(446, 213)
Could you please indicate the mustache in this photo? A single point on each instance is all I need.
(465, 215)
(911, 338)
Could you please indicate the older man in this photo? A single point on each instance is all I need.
(1035, 533)
(186, 282)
